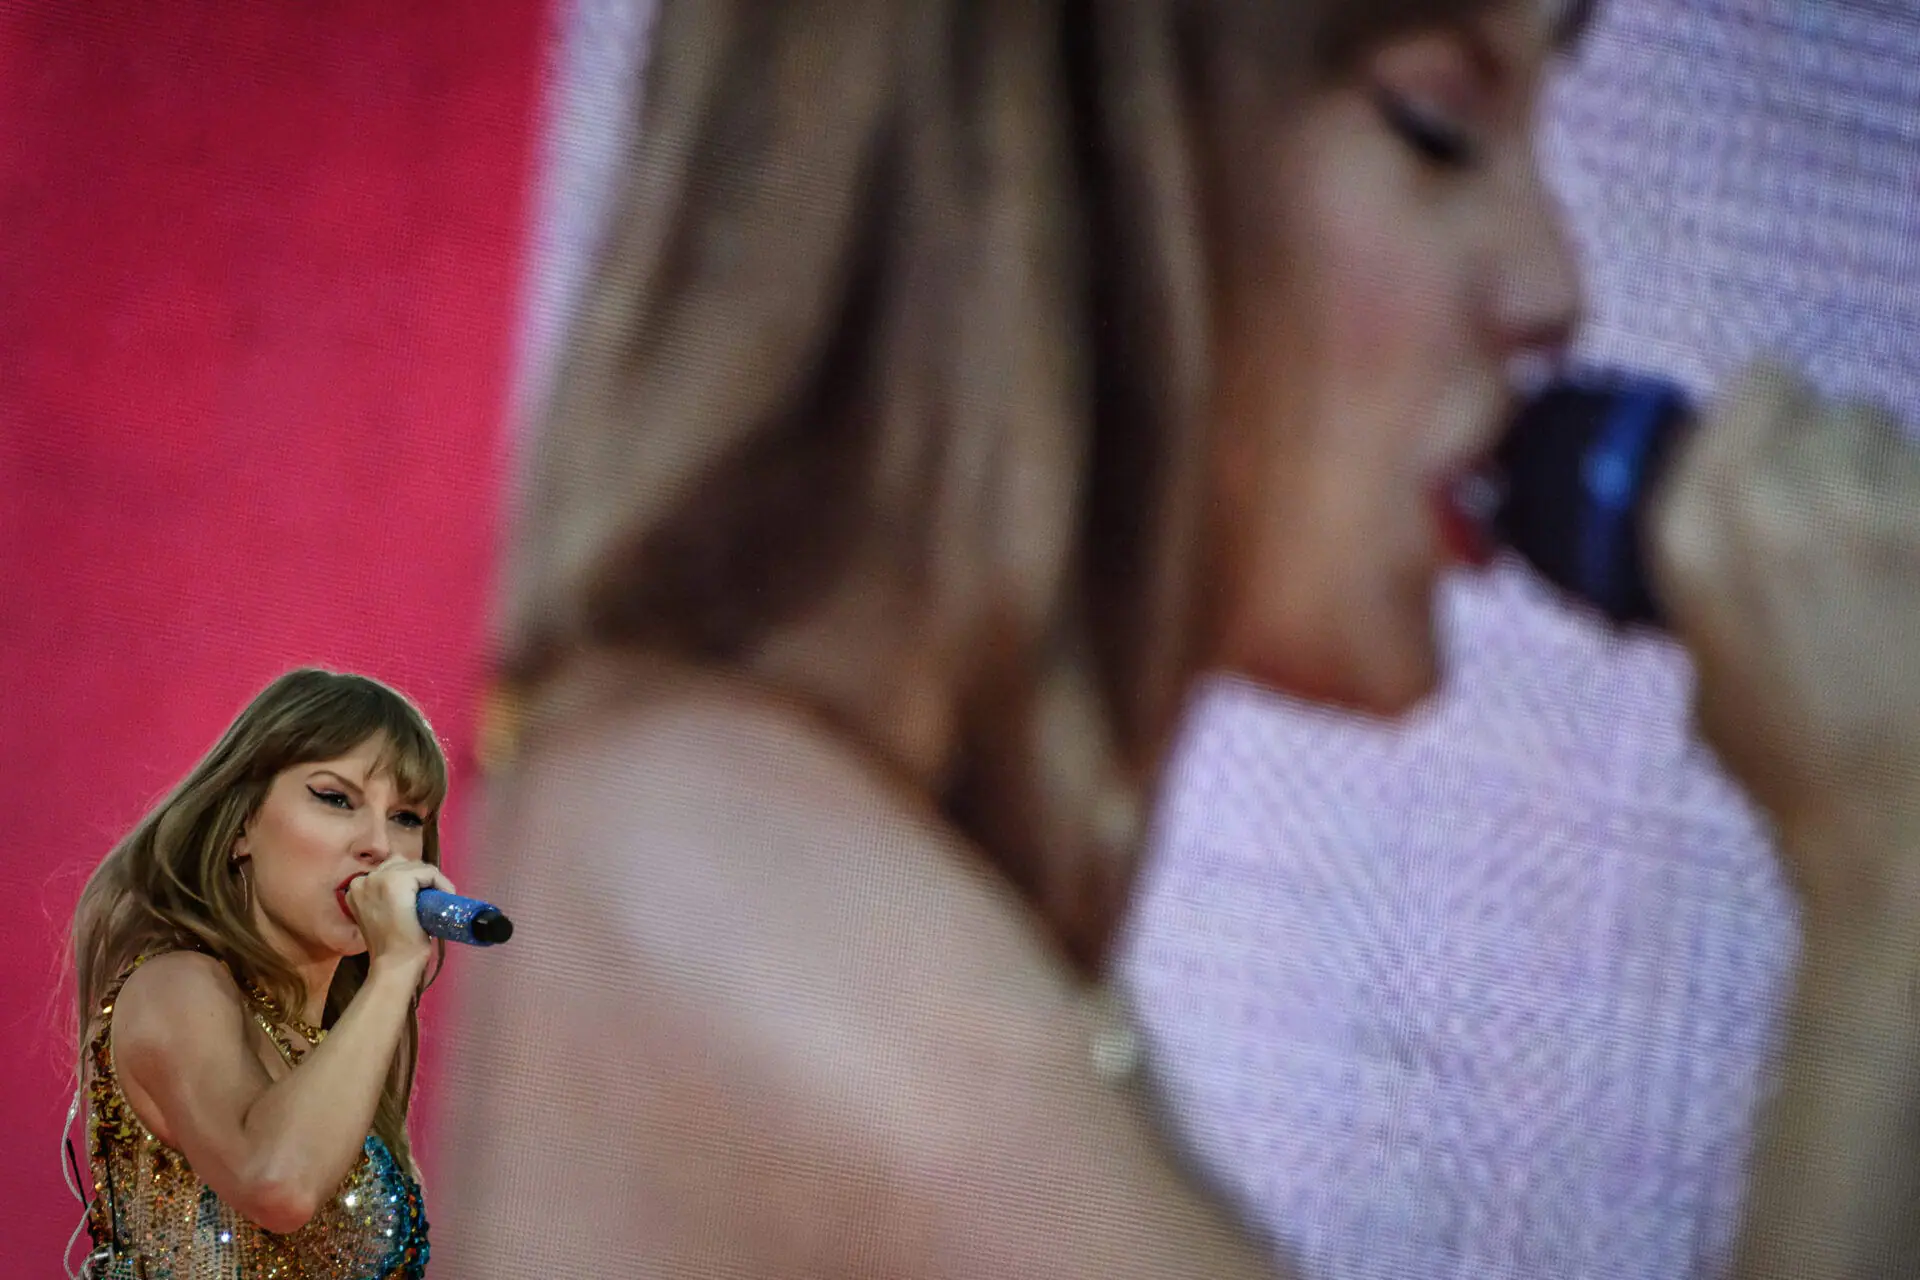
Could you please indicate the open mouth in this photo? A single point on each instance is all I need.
(340, 894)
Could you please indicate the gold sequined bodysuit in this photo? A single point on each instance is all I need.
(152, 1219)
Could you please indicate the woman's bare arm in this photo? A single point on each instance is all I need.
(183, 1046)
(769, 1023)
(1785, 541)
(1835, 1190)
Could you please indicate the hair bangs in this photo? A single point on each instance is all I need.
(341, 713)
(414, 760)
(1347, 32)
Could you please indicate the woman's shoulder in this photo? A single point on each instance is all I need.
(699, 819)
(738, 736)
(765, 976)
(176, 976)
(176, 1014)
(173, 994)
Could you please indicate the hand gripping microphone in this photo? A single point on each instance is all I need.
(1567, 488)
(457, 919)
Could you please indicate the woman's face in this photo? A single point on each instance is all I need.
(321, 824)
(1369, 337)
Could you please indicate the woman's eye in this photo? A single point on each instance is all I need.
(411, 821)
(1434, 138)
(334, 798)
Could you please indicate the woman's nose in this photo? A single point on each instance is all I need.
(1537, 297)
(376, 846)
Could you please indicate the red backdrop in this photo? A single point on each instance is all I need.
(258, 275)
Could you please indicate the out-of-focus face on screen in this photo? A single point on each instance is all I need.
(1498, 989)
(1494, 990)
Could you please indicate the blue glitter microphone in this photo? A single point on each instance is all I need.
(1568, 485)
(457, 919)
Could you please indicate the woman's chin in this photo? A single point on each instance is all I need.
(1398, 683)
(1386, 669)
(1395, 656)
(1373, 695)
(1392, 700)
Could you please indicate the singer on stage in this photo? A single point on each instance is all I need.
(959, 383)
(249, 964)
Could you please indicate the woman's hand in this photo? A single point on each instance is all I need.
(1787, 550)
(382, 902)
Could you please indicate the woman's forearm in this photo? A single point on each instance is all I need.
(308, 1128)
(1835, 1187)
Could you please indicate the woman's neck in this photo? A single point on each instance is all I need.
(314, 970)
(316, 979)
(894, 692)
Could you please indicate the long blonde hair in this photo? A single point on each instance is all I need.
(913, 298)
(170, 883)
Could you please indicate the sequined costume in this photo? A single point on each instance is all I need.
(152, 1219)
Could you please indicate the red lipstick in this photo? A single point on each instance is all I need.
(1464, 507)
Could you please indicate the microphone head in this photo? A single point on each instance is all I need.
(1575, 470)
(490, 927)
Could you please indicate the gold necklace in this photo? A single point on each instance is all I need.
(311, 1034)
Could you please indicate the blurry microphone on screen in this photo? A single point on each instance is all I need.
(1568, 487)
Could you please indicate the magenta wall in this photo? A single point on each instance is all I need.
(258, 271)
